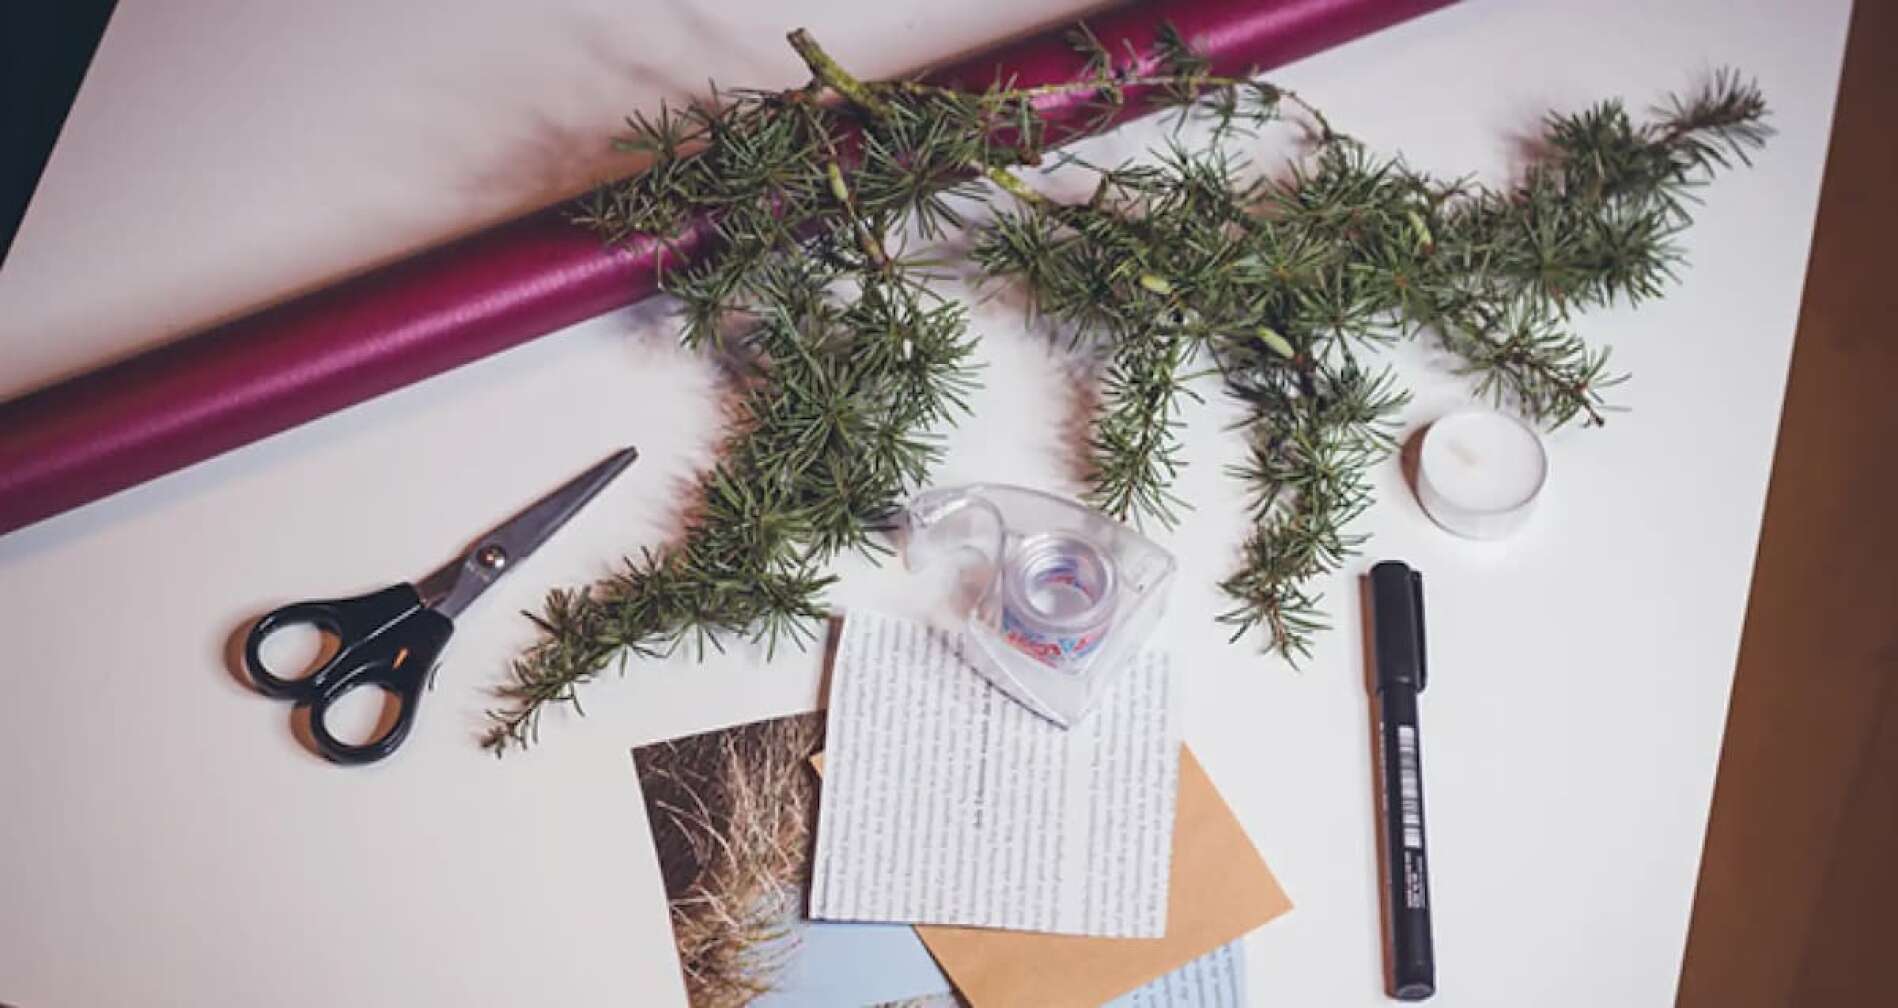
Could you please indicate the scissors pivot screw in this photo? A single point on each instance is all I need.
(492, 557)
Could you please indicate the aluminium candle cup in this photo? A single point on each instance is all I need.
(1479, 473)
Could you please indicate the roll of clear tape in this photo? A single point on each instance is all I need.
(1057, 598)
(1062, 598)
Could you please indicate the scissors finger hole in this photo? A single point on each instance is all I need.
(362, 714)
(297, 650)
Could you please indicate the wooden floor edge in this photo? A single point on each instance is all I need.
(1798, 878)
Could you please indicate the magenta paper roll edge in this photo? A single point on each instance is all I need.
(1235, 36)
(203, 395)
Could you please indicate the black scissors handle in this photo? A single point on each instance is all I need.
(386, 639)
(351, 622)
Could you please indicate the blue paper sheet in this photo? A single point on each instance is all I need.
(840, 964)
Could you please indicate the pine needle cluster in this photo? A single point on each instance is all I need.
(1288, 285)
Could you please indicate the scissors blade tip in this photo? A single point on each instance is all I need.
(539, 521)
(591, 482)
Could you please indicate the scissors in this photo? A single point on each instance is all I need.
(390, 639)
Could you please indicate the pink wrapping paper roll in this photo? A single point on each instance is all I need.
(206, 394)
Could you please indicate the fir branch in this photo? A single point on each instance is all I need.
(858, 363)
(1285, 285)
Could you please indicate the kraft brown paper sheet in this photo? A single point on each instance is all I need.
(1220, 889)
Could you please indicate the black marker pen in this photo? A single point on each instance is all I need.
(1399, 674)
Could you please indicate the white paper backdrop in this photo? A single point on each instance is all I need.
(164, 840)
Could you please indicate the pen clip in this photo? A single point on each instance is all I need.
(1417, 613)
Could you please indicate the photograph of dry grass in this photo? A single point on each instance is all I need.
(732, 813)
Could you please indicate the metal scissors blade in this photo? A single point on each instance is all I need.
(450, 589)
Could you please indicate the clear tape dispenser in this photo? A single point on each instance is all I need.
(1062, 599)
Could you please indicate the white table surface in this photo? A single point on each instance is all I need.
(164, 840)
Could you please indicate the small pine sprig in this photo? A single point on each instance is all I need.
(834, 436)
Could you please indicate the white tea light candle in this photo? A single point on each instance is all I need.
(1478, 473)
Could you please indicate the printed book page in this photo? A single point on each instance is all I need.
(946, 802)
